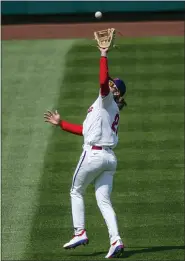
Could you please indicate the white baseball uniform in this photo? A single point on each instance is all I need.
(97, 165)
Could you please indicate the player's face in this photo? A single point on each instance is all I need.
(113, 88)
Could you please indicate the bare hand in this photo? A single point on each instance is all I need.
(52, 117)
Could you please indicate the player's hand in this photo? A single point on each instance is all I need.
(52, 117)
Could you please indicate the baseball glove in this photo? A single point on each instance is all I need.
(105, 38)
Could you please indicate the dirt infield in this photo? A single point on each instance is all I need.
(58, 31)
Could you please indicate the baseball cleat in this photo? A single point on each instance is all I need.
(116, 250)
(77, 240)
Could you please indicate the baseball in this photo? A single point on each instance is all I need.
(98, 15)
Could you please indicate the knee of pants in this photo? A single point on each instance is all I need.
(102, 199)
(76, 192)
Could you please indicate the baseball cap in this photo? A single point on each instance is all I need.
(120, 85)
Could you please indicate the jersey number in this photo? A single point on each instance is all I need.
(115, 123)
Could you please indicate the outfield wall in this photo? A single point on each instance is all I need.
(69, 7)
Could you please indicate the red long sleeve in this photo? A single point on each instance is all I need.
(104, 76)
(70, 127)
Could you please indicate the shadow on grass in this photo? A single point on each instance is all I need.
(128, 253)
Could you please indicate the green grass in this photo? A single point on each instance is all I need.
(38, 160)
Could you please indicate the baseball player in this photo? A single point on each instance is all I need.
(98, 162)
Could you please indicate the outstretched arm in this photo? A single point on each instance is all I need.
(54, 118)
(104, 73)
(72, 128)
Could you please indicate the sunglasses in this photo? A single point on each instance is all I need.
(112, 84)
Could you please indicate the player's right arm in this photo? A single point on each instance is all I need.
(71, 127)
(54, 118)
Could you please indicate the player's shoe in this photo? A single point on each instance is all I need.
(77, 240)
(116, 250)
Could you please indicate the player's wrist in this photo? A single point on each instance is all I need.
(103, 54)
(59, 123)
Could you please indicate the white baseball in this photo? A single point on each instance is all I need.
(98, 14)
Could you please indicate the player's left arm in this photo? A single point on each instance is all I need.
(106, 96)
(104, 73)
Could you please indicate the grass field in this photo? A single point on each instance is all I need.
(38, 160)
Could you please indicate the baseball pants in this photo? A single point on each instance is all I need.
(98, 167)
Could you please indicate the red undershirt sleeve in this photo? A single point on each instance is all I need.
(70, 127)
(104, 76)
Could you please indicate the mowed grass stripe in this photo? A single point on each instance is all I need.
(52, 223)
(147, 197)
(27, 91)
(155, 111)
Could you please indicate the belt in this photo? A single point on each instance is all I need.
(100, 148)
(96, 148)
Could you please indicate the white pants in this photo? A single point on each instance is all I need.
(97, 166)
